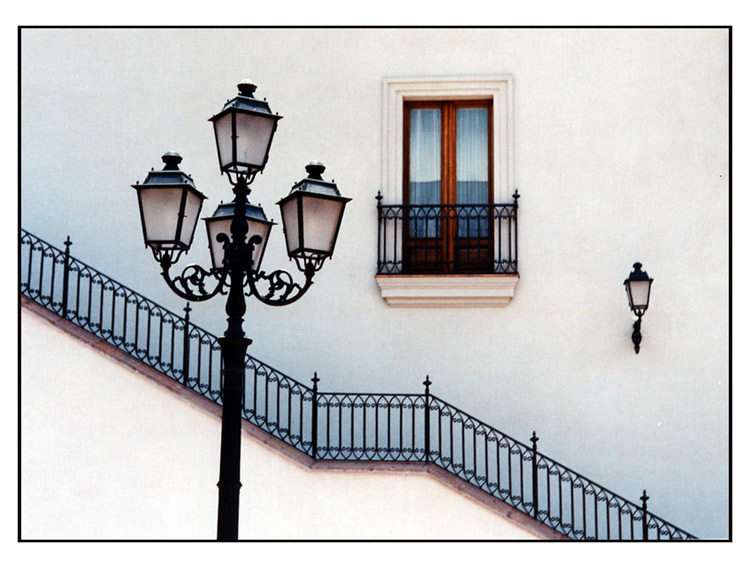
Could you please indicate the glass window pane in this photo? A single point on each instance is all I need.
(472, 171)
(424, 169)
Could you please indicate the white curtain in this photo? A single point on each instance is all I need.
(472, 171)
(424, 171)
(424, 157)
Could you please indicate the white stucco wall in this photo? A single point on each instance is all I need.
(620, 156)
(108, 454)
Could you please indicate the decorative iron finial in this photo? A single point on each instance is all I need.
(171, 161)
(247, 87)
(315, 170)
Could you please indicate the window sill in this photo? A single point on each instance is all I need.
(448, 291)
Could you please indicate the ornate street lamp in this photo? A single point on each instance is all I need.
(169, 205)
(638, 287)
(312, 214)
(244, 131)
(237, 236)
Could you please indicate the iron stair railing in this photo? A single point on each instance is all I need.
(404, 428)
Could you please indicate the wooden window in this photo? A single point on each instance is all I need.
(448, 193)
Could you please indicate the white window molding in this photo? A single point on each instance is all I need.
(491, 290)
(397, 90)
(449, 291)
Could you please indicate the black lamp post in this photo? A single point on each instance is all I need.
(638, 287)
(237, 234)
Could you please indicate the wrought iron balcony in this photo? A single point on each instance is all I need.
(448, 239)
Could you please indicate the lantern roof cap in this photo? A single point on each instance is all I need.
(638, 274)
(246, 101)
(171, 160)
(226, 211)
(247, 87)
(315, 170)
(314, 182)
(170, 175)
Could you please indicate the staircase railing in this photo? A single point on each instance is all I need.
(337, 426)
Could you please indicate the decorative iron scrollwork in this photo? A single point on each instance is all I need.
(197, 284)
(278, 288)
(191, 283)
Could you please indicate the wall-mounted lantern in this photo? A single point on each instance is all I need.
(638, 287)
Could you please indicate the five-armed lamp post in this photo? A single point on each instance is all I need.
(170, 206)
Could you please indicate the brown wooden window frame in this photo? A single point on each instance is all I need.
(448, 253)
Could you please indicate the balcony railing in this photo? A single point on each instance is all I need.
(448, 239)
(404, 428)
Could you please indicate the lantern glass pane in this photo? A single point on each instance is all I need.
(223, 131)
(639, 290)
(320, 222)
(253, 139)
(217, 226)
(262, 229)
(160, 213)
(291, 225)
(193, 205)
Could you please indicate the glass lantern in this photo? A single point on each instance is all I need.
(169, 205)
(311, 215)
(638, 288)
(244, 130)
(221, 222)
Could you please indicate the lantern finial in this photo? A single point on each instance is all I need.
(171, 160)
(247, 87)
(315, 170)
